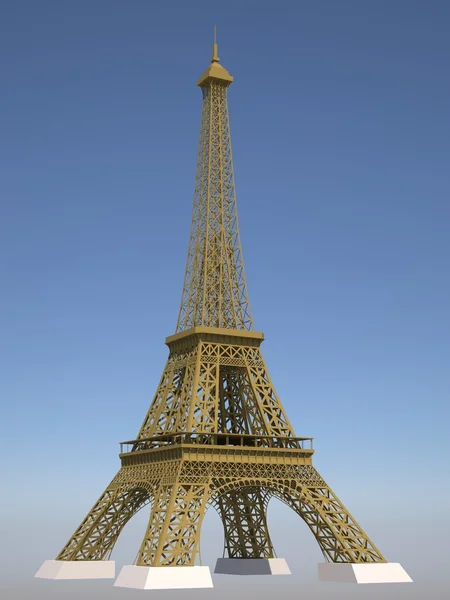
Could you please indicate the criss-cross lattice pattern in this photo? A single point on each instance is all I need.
(216, 387)
(215, 290)
(171, 537)
(243, 513)
(96, 536)
(181, 490)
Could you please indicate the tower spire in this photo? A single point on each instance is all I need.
(215, 289)
(215, 58)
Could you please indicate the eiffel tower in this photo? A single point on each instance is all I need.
(216, 433)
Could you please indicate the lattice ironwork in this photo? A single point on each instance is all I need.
(172, 535)
(208, 394)
(216, 432)
(214, 290)
(96, 536)
(243, 513)
(180, 492)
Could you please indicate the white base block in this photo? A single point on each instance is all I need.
(252, 566)
(364, 572)
(77, 569)
(164, 578)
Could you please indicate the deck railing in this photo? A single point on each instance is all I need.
(217, 439)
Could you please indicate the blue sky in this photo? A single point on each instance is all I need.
(340, 127)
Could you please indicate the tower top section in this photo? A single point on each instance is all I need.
(215, 72)
(215, 288)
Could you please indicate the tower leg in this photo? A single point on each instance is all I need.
(351, 555)
(247, 540)
(339, 536)
(167, 553)
(86, 554)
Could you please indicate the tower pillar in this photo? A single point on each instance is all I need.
(363, 573)
(252, 566)
(77, 569)
(164, 578)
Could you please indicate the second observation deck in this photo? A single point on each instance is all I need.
(218, 439)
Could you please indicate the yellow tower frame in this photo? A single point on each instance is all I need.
(216, 432)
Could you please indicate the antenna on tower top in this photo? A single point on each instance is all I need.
(215, 58)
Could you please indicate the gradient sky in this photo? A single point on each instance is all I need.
(341, 140)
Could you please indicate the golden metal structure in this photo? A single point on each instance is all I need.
(216, 433)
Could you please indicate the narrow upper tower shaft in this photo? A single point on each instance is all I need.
(215, 289)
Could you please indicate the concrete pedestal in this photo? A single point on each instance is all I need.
(164, 578)
(251, 566)
(363, 573)
(77, 569)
